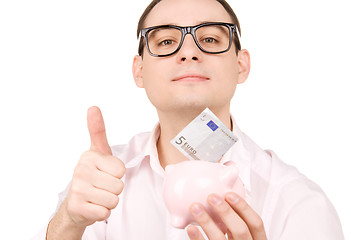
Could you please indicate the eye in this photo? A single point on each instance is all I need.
(209, 40)
(166, 42)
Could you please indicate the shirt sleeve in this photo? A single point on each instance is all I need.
(313, 218)
(41, 235)
(310, 214)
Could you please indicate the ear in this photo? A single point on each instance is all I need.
(244, 65)
(138, 71)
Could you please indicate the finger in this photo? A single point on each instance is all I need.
(236, 227)
(96, 127)
(250, 217)
(107, 182)
(194, 233)
(111, 165)
(102, 198)
(206, 222)
(96, 212)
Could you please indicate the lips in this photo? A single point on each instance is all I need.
(191, 78)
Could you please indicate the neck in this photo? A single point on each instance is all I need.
(172, 122)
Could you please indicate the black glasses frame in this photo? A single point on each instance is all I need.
(190, 30)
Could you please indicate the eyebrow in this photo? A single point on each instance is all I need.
(172, 24)
(202, 22)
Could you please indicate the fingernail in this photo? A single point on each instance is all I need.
(232, 198)
(215, 200)
(192, 231)
(196, 209)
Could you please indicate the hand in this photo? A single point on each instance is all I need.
(241, 221)
(96, 181)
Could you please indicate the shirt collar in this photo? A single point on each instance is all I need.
(151, 150)
(238, 153)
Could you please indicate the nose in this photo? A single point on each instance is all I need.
(189, 50)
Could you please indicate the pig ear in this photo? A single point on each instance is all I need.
(232, 166)
(230, 173)
(178, 222)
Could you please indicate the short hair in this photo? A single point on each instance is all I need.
(226, 6)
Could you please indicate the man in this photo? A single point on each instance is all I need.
(115, 192)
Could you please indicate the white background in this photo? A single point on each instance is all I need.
(57, 58)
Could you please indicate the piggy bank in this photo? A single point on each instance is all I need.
(192, 181)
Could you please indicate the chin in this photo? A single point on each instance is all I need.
(192, 102)
(186, 102)
(182, 105)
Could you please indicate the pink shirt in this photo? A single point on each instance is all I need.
(290, 205)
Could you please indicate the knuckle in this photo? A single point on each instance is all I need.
(75, 189)
(204, 219)
(76, 185)
(89, 157)
(79, 169)
(114, 202)
(240, 234)
(119, 187)
(223, 209)
(102, 214)
(81, 172)
(241, 204)
(123, 169)
(120, 169)
(257, 224)
(243, 233)
(85, 156)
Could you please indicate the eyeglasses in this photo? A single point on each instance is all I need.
(211, 37)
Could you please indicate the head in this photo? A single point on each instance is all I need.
(225, 5)
(190, 78)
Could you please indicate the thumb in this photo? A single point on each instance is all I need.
(96, 127)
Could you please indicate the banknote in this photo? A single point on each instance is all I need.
(205, 138)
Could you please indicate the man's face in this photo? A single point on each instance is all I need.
(189, 78)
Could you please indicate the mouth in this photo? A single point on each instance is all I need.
(191, 78)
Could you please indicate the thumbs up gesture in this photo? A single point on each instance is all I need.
(96, 181)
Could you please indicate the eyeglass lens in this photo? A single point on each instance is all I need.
(166, 40)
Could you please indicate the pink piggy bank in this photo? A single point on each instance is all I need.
(192, 181)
